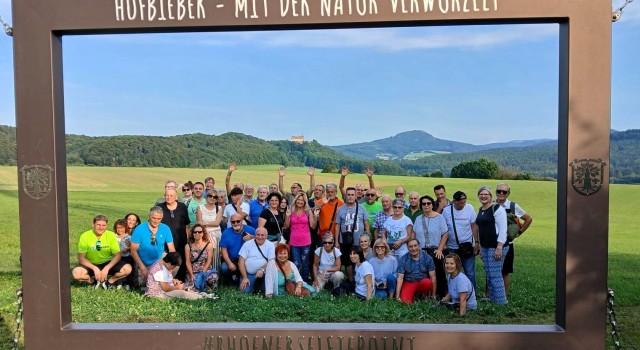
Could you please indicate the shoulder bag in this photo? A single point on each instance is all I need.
(465, 249)
(347, 236)
(290, 286)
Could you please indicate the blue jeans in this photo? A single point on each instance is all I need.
(391, 287)
(255, 284)
(230, 277)
(300, 256)
(469, 266)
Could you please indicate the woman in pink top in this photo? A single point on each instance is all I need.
(300, 221)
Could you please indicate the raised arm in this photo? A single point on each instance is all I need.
(369, 173)
(343, 175)
(312, 180)
(281, 173)
(227, 180)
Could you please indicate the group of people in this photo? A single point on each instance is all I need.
(293, 241)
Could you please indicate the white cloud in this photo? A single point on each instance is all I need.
(382, 39)
(391, 39)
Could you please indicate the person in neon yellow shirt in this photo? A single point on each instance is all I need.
(99, 256)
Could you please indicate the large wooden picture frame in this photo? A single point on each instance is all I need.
(583, 136)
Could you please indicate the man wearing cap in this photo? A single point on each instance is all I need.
(461, 221)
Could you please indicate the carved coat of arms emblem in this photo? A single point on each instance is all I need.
(36, 180)
(587, 175)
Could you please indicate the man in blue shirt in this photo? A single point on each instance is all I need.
(148, 241)
(416, 274)
(230, 243)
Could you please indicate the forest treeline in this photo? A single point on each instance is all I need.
(217, 151)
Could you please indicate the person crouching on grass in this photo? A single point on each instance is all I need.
(461, 295)
(160, 281)
(99, 256)
(416, 274)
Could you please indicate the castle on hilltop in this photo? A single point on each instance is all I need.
(298, 139)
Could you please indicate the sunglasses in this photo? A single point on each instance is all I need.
(153, 239)
(236, 221)
(399, 194)
(197, 232)
(98, 245)
(501, 192)
(327, 242)
(398, 207)
(211, 196)
(186, 189)
(427, 203)
(370, 194)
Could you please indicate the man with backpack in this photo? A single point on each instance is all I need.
(518, 221)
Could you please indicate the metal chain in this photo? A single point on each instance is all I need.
(615, 337)
(19, 320)
(618, 13)
(9, 30)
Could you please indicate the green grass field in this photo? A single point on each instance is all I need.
(117, 191)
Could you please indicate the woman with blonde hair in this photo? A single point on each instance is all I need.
(209, 215)
(301, 221)
(384, 269)
(492, 230)
(461, 295)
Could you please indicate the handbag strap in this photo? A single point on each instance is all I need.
(333, 217)
(277, 223)
(202, 251)
(236, 209)
(453, 221)
(355, 220)
(425, 227)
(260, 250)
(281, 270)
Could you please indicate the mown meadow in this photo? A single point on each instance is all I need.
(117, 191)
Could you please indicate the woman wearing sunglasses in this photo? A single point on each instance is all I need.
(327, 265)
(209, 215)
(384, 269)
(187, 193)
(432, 233)
(398, 229)
(199, 257)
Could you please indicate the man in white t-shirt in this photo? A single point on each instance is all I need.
(253, 258)
(465, 228)
(236, 205)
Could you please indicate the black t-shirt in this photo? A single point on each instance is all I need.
(274, 223)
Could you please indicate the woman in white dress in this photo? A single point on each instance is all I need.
(209, 215)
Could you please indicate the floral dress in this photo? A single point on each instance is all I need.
(198, 265)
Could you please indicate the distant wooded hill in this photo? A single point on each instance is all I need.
(411, 145)
(537, 157)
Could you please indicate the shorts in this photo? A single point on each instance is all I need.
(112, 271)
(507, 267)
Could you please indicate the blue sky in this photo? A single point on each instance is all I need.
(476, 84)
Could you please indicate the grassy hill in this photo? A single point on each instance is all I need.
(410, 153)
